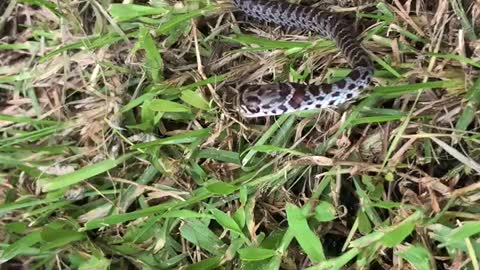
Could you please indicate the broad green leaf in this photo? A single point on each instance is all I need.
(19, 246)
(153, 60)
(307, 239)
(207, 264)
(256, 254)
(364, 225)
(243, 195)
(194, 99)
(470, 108)
(162, 105)
(16, 227)
(125, 12)
(226, 221)
(397, 233)
(467, 229)
(367, 240)
(336, 263)
(198, 233)
(417, 256)
(325, 212)
(95, 263)
(56, 237)
(220, 155)
(82, 174)
(441, 233)
(239, 216)
(221, 188)
(396, 236)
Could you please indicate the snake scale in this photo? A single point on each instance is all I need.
(281, 98)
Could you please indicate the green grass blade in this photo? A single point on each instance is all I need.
(309, 242)
(82, 174)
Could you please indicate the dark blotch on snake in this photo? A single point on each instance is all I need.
(355, 75)
(297, 99)
(365, 75)
(341, 84)
(314, 91)
(252, 99)
(261, 91)
(363, 63)
(285, 90)
(327, 88)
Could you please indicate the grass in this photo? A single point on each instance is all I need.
(120, 146)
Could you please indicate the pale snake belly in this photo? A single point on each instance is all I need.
(281, 98)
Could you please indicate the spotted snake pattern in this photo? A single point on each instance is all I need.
(281, 98)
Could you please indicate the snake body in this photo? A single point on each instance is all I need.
(281, 98)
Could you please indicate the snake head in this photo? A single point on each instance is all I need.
(265, 100)
(250, 102)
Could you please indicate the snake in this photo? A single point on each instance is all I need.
(258, 100)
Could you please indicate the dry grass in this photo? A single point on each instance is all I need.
(121, 148)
